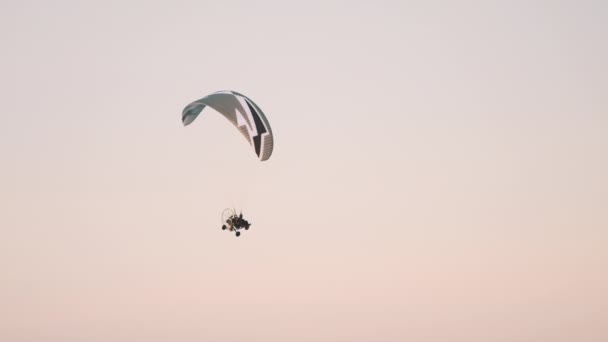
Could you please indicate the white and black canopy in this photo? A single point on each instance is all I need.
(244, 114)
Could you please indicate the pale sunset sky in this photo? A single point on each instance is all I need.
(440, 171)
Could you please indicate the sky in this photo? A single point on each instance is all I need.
(439, 171)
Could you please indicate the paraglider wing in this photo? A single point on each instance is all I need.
(242, 112)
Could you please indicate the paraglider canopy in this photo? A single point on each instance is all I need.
(242, 112)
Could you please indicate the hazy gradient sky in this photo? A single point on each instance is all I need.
(439, 173)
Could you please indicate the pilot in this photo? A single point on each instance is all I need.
(236, 222)
(229, 225)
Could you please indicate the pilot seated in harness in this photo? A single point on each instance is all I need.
(234, 223)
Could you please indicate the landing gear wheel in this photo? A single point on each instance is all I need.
(224, 227)
(238, 234)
